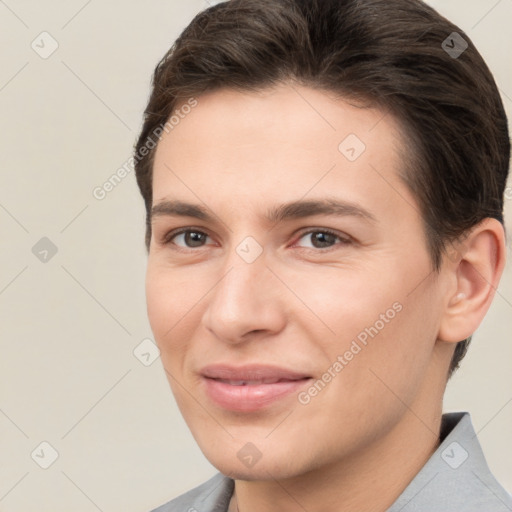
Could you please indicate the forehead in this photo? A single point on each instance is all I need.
(279, 143)
(305, 111)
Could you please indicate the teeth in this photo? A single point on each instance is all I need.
(248, 382)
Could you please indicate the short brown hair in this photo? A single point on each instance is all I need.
(392, 54)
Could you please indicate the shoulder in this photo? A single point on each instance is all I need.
(211, 496)
(456, 477)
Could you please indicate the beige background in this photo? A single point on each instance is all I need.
(69, 326)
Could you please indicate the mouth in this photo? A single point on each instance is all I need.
(250, 388)
(253, 382)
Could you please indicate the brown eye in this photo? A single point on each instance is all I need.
(187, 238)
(322, 239)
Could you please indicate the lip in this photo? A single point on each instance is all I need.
(251, 387)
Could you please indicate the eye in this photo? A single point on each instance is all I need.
(186, 238)
(190, 238)
(323, 238)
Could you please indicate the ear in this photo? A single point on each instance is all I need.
(475, 266)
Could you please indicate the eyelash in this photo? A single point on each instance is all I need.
(344, 240)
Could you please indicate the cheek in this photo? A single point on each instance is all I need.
(159, 303)
(169, 307)
(375, 320)
(395, 358)
(341, 302)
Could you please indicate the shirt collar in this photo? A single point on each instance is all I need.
(456, 477)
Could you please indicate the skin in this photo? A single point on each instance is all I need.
(359, 441)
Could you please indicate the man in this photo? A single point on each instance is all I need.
(324, 188)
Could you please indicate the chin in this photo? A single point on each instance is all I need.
(267, 464)
(260, 472)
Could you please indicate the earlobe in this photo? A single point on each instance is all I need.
(477, 271)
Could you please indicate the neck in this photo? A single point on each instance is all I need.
(371, 481)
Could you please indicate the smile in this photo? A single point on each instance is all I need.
(250, 388)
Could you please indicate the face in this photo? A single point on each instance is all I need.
(289, 286)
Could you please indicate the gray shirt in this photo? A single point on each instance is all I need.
(455, 479)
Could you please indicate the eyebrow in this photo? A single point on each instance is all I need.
(287, 211)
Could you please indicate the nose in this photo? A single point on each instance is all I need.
(245, 302)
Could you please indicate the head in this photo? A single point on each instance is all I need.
(362, 103)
